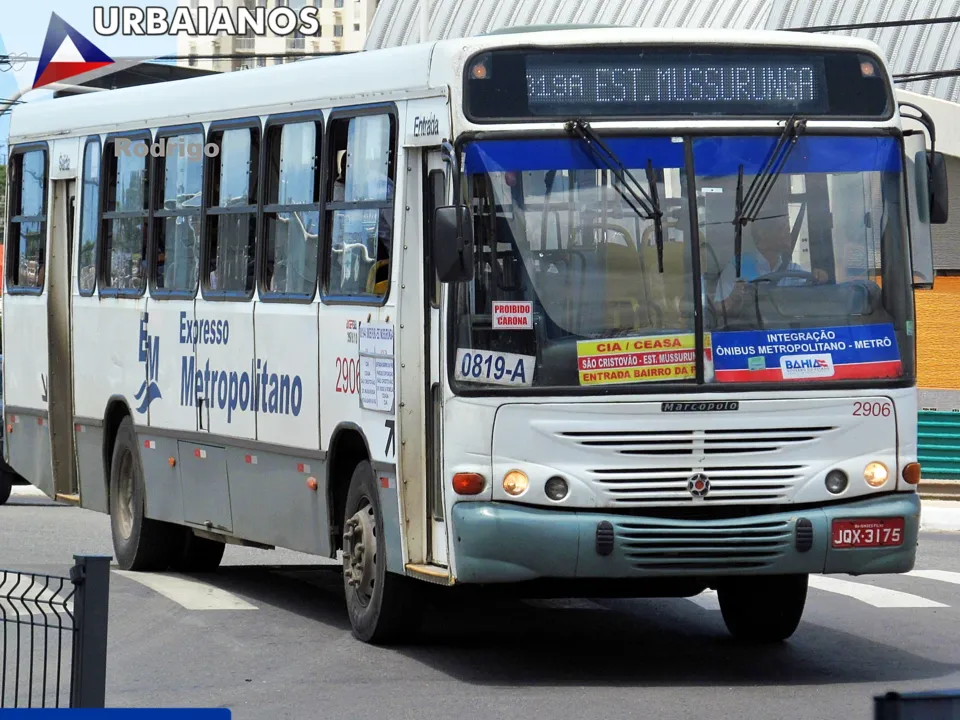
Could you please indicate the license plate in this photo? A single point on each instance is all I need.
(881, 532)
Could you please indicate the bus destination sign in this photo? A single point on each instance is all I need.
(532, 84)
(553, 86)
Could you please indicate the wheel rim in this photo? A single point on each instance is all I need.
(125, 483)
(360, 552)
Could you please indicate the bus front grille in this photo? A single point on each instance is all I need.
(653, 546)
(736, 441)
(733, 484)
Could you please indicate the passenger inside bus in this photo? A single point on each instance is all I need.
(361, 236)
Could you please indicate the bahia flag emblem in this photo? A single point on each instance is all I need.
(66, 53)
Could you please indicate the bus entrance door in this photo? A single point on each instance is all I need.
(59, 326)
(434, 196)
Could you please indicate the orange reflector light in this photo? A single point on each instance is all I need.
(479, 71)
(172, 461)
(468, 483)
(868, 69)
(911, 473)
(312, 483)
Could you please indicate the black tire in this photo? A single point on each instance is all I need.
(391, 612)
(139, 542)
(763, 609)
(6, 485)
(199, 555)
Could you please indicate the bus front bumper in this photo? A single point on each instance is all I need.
(499, 542)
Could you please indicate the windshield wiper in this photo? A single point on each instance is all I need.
(645, 204)
(750, 204)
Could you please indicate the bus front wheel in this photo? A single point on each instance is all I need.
(139, 542)
(382, 605)
(763, 609)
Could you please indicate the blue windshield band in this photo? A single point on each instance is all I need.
(713, 156)
(492, 156)
(718, 156)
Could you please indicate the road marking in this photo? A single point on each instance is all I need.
(941, 575)
(871, 594)
(707, 600)
(191, 594)
(26, 491)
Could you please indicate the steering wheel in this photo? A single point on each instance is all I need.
(776, 277)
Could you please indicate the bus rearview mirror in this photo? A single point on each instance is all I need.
(453, 243)
(939, 197)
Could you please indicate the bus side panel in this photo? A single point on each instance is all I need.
(272, 502)
(287, 344)
(225, 355)
(89, 403)
(268, 492)
(340, 383)
(109, 363)
(25, 391)
(161, 477)
(93, 486)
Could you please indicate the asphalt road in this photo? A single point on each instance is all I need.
(268, 637)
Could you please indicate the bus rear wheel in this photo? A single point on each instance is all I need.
(139, 542)
(382, 605)
(763, 609)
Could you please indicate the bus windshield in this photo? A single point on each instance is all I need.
(574, 288)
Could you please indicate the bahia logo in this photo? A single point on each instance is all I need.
(149, 355)
(796, 367)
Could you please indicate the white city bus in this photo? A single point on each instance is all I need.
(576, 312)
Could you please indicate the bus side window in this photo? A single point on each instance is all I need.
(292, 211)
(125, 217)
(360, 207)
(28, 221)
(176, 225)
(89, 218)
(231, 204)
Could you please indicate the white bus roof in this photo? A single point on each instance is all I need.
(359, 78)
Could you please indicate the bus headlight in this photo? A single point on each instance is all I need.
(875, 474)
(515, 482)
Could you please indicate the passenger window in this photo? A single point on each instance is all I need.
(89, 218)
(177, 221)
(232, 213)
(360, 207)
(28, 221)
(125, 219)
(292, 211)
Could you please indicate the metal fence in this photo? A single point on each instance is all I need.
(938, 439)
(53, 636)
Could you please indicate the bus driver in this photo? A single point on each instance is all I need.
(772, 252)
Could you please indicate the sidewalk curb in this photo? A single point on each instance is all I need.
(940, 516)
(939, 490)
